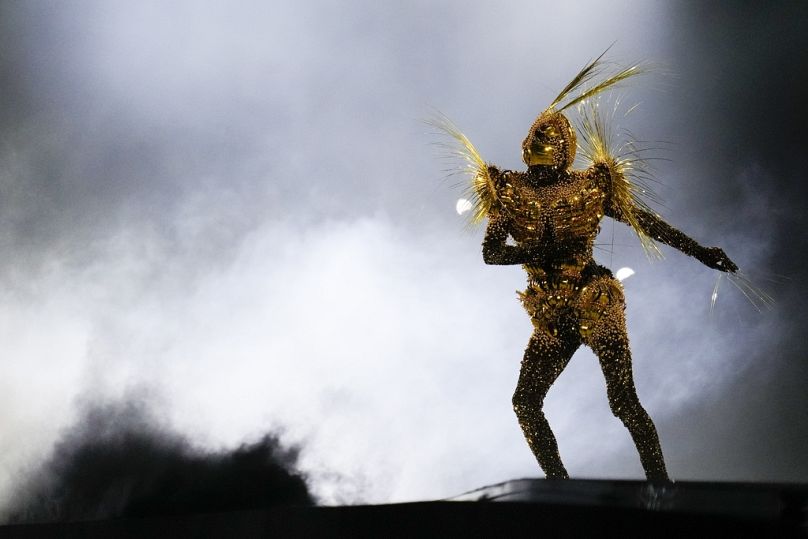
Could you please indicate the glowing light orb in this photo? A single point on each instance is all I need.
(624, 273)
(463, 206)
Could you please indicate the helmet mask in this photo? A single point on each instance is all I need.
(551, 141)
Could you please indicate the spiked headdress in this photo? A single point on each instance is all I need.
(551, 140)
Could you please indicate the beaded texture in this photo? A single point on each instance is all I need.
(553, 215)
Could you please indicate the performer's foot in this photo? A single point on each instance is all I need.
(660, 476)
(559, 474)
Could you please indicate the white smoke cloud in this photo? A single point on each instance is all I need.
(247, 219)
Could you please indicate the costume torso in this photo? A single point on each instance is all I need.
(563, 217)
(565, 286)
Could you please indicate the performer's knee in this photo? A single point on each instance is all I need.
(625, 405)
(527, 402)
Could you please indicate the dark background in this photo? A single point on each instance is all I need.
(237, 208)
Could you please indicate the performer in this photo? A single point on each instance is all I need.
(553, 212)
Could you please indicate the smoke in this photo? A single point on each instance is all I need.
(237, 205)
(745, 100)
(119, 460)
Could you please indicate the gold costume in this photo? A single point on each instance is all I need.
(553, 212)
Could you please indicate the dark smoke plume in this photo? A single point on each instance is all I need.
(119, 462)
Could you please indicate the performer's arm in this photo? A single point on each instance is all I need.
(495, 248)
(653, 226)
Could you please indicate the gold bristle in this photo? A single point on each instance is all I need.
(480, 190)
(591, 71)
(629, 171)
(618, 77)
(758, 297)
(583, 76)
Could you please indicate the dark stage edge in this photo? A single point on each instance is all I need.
(520, 508)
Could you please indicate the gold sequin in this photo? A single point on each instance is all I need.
(554, 216)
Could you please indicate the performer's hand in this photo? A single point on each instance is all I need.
(716, 258)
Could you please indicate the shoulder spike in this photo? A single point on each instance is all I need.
(630, 175)
(480, 188)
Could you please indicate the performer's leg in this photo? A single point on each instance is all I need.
(609, 341)
(545, 358)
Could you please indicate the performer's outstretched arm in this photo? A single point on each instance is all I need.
(495, 247)
(619, 203)
(653, 226)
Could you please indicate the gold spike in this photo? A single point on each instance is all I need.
(583, 76)
(481, 190)
(628, 170)
(618, 77)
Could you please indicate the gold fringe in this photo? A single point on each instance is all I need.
(618, 77)
(466, 161)
(585, 75)
(591, 71)
(630, 173)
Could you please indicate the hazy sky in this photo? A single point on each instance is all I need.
(233, 211)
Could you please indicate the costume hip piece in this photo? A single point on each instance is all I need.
(570, 302)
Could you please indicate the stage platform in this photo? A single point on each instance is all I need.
(519, 508)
